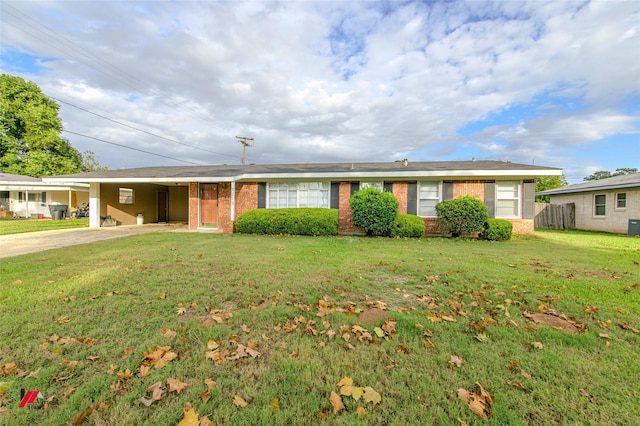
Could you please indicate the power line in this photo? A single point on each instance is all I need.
(141, 130)
(133, 149)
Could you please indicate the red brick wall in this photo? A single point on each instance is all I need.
(344, 211)
(246, 197)
(522, 226)
(400, 192)
(224, 207)
(473, 188)
(194, 202)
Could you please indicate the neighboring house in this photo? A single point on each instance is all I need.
(212, 197)
(602, 205)
(26, 196)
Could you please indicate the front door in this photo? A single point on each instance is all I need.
(209, 205)
(163, 198)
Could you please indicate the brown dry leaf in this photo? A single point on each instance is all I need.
(429, 344)
(537, 345)
(604, 336)
(402, 349)
(128, 351)
(526, 375)
(626, 326)
(125, 375)
(336, 402)
(93, 357)
(455, 360)
(204, 421)
(189, 416)
(162, 296)
(239, 401)
(275, 404)
(245, 328)
(80, 418)
(62, 320)
(144, 371)
(370, 395)
(449, 318)
(322, 416)
(169, 334)
(480, 403)
(389, 327)
(112, 369)
(361, 411)
(346, 390)
(176, 385)
(590, 310)
(518, 386)
(34, 374)
(211, 384)
(68, 392)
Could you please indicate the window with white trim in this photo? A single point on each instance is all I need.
(376, 185)
(428, 197)
(621, 200)
(300, 194)
(507, 199)
(125, 195)
(600, 205)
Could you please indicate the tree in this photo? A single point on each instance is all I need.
(603, 174)
(544, 183)
(30, 141)
(90, 163)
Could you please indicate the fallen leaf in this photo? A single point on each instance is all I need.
(357, 392)
(429, 344)
(245, 328)
(525, 375)
(590, 310)
(66, 393)
(480, 403)
(449, 318)
(537, 345)
(370, 395)
(189, 416)
(518, 385)
(275, 404)
(336, 402)
(239, 401)
(604, 336)
(176, 385)
(169, 334)
(455, 360)
(322, 416)
(144, 371)
(162, 296)
(80, 418)
(204, 421)
(361, 411)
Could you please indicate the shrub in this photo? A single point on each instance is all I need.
(462, 215)
(497, 230)
(373, 211)
(407, 226)
(303, 221)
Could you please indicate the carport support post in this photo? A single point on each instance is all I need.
(233, 205)
(94, 205)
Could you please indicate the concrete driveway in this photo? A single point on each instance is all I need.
(32, 242)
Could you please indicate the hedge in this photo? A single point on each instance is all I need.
(462, 215)
(373, 211)
(497, 230)
(407, 226)
(291, 221)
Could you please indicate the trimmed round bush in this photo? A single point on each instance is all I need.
(373, 211)
(407, 226)
(497, 230)
(303, 221)
(462, 215)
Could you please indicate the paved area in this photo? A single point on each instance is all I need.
(32, 242)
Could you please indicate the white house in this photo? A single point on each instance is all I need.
(26, 196)
(602, 205)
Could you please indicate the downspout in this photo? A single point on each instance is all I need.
(27, 204)
(233, 204)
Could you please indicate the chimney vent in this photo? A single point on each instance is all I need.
(405, 162)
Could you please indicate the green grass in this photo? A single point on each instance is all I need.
(19, 226)
(112, 294)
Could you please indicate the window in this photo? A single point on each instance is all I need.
(600, 202)
(125, 196)
(621, 200)
(508, 199)
(377, 185)
(302, 194)
(428, 197)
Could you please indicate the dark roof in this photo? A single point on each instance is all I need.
(7, 177)
(615, 182)
(313, 170)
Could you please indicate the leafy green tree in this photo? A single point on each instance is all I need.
(30, 141)
(545, 183)
(603, 174)
(90, 163)
(462, 215)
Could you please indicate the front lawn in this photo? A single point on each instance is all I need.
(250, 330)
(19, 226)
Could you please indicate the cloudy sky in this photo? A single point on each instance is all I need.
(552, 83)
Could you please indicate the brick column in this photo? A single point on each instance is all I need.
(193, 205)
(344, 211)
(400, 192)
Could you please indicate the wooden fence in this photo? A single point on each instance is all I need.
(557, 216)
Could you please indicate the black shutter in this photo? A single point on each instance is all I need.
(447, 190)
(490, 197)
(355, 187)
(388, 187)
(262, 195)
(412, 198)
(529, 195)
(335, 195)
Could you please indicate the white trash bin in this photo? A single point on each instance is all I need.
(140, 219)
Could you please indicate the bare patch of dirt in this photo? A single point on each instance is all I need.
(559, 322)
(372, 316)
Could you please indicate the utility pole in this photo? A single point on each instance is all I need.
(243, 140)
